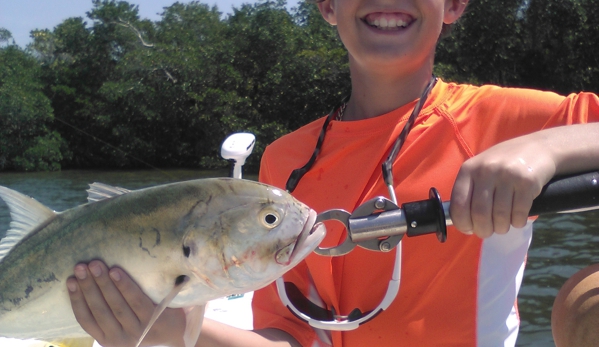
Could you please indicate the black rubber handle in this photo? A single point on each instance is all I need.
(561, 194)
(568, 193)
(426, 216)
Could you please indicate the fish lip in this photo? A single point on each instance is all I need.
(311, 233)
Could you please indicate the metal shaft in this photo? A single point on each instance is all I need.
(563, 194)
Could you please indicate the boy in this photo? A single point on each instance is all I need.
(491, 149)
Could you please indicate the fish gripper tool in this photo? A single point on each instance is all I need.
(379, 224)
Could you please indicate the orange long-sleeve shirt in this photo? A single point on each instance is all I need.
(460, 293)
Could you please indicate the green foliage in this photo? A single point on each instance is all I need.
(43, 154)
(5, 35)
(549, 44)
(26, 143)
(128, 92)
(113, 90)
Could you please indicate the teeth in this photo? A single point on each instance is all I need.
(389, 24)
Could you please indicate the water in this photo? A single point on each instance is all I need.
(66, 189)
(562, 244)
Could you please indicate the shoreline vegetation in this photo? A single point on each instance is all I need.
(116, 91)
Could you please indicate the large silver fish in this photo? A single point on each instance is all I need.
(223, 236)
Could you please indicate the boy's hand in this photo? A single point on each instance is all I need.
(111, 307)
(495, 189)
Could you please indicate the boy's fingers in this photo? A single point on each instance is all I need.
(171, 321)
(481, 209)
(95, 300)
(459, 209)
(108, 304)
(140, 304)
(502, 209)
(118, 305)
(81, 308)
(521, 208)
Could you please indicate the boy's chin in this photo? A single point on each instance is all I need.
(390, 59)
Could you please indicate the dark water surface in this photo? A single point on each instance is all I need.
(562, 244)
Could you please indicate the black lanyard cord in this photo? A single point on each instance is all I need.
(297, 174)
(388, 164)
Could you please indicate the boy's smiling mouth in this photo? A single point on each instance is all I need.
(388, 21)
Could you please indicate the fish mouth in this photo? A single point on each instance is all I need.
(307, 240)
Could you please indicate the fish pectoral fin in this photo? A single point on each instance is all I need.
(79, 342)
(179, 284)
(194, 316)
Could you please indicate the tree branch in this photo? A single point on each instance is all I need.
(134, 29)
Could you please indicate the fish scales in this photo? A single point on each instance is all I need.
(90, 226)
(52, 247)
(212, 230)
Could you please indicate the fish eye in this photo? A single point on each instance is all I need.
(270, 218)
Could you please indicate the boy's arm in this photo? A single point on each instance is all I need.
(495, 188)
(113, 310)
(216, 334)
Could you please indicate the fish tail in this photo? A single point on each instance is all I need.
(79, 342)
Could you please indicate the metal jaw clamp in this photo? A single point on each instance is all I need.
(379, 224)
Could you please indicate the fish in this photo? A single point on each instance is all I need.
(184, 243)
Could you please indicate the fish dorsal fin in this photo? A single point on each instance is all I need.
(26, 213)
(100, 191)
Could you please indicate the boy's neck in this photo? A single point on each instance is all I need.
(375, 93)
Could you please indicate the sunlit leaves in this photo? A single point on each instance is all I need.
(26, 143)
(546, 44)
(129, 92)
